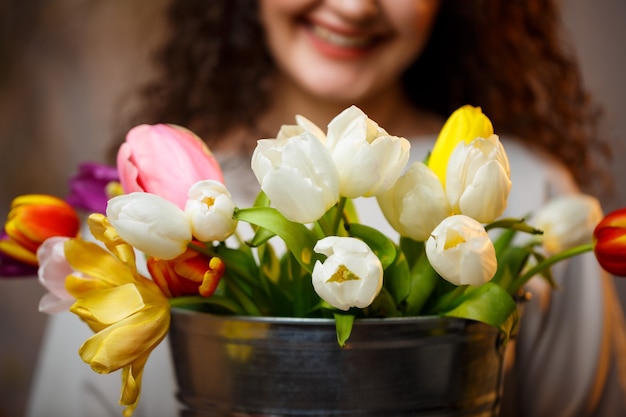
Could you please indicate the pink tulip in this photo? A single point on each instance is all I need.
(53, 269)
(165, 160)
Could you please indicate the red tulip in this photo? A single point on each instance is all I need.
(34, 218)
(188, 274)
(609, 242)
(165, 160)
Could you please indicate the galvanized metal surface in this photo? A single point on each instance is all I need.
(271, 367)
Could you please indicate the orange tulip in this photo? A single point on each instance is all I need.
(34, 218)
(609, 242)
(188, 274)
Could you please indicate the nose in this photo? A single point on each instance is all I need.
(354, 9)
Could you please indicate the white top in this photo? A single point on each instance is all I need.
(570, 354)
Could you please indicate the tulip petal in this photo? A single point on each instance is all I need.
(132, 376)
(486, 197)
(460, 250)
(609, 242)
(150, 223)
(109, 305)
(52, 274)
(351, 275)
(165, 160)
(121, 343)
(464, 125)
(96, 262)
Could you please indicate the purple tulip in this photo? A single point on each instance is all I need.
(88, 186)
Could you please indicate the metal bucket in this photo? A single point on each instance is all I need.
(270, 367)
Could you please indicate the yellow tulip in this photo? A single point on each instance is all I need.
(464, 125)
(128, 312)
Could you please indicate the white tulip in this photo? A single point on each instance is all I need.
(298, 175)
(460, 250)
(368, 159)
(478, 179)
(351, 275)
(568, 221)
(150, 224)
(303, 125)
(416, 203)
(210, 209)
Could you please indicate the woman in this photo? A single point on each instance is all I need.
(234, 71)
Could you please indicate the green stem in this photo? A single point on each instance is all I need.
(187, 300)
(548, 262)
(337, 220)
(444, 303)
(201, 249)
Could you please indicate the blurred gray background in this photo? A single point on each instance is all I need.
(65, 67)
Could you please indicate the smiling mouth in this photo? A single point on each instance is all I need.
(342, 40)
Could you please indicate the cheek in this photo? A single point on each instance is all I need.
(412, 21)
(279, 20)
(277, 11)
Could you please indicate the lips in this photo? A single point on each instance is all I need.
(341, 44)
(341, 40)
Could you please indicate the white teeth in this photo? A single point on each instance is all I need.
(341, 40)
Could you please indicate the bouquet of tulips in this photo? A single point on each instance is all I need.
(307, 252)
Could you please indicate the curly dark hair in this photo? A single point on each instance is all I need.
(506, 56)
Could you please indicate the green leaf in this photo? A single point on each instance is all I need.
(383, 305)
(261, 200)
(397, 279)
(298, 239)
(331, 221)
(422, 282)
(349, 211)
(378, 242)
(503, 242)
(238, 263)
(511, 262)
(270, 264)
(261, 236)
(343, 326)
(412, 249)
(488, 304)
(245, 301)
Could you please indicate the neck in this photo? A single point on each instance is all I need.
(390, 109)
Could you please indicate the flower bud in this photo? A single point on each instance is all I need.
(165, 160)
(351, 275)
(416, 203)
(33, 218)
(568, 221)
(478, 179)
(150, 224)
(298, 175)
(609, 242)
(89, 186)
(188, 274)
(464, 125)
(210, 209)
(460, 250)
(368, 159)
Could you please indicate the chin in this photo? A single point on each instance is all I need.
(344, 94)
